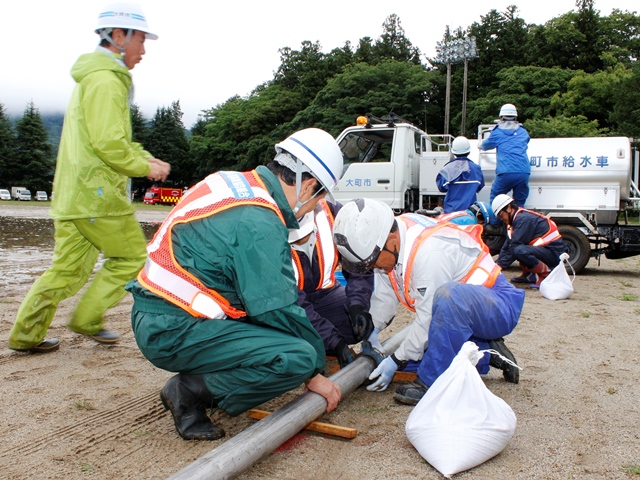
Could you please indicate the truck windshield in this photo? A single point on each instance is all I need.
(367, 146)
(149, 195)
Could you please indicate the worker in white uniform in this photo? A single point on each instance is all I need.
(443, 273)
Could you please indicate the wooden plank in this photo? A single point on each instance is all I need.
(320, 427)
(397, 377)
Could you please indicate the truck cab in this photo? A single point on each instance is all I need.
(382, 160)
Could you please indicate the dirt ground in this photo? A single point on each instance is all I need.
(93, 411)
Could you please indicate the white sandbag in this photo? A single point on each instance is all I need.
(558, 285)
(459, 423)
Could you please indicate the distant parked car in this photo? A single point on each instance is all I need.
(41, 196)
(5, 194)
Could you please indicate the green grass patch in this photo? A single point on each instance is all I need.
(632, 469)
(585, 314)
(83, 405)
(629, 297)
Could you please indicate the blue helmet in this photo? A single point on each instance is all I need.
(484, 210)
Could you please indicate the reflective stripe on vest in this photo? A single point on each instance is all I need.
(551, 236)
(163, 275)
(484, 271)
(447, 217)
(325, 246)
(297, 269)
(325, 249)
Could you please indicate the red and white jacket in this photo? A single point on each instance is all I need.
(163, 275)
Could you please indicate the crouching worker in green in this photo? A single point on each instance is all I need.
(217, 298)
(92, 209)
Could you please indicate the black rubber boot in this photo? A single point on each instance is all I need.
(525, 277)
(510, 373)
(187, 398)
(411, 393)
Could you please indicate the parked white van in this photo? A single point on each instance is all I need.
(41, 196)
(5, 194)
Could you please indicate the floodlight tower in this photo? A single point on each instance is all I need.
(456, 51)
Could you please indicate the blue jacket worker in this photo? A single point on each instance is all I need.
(340, 314)
(460, 178)
(442, 273)
(511, 140)
(532, 239)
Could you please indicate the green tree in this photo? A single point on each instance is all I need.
(530, 89)
(501, 39)
(390, 86)
(625, 117)
(34, 152)
(620, 35)
(573, 40)
(168, 141)
(556, 127)
(591, 95)
(8, 165)
(394, 45)
(139, 125)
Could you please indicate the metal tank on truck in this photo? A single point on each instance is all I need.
(587, 185)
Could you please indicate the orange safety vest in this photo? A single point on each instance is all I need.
(447, 217)
(551, 236)
(325, 248)
(483, 272)
(163, 275)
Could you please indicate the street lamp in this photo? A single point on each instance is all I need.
(456, 51)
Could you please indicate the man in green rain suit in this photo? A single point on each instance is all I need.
(91, 207)
(217, 300)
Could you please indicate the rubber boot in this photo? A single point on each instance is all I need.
(525, 277)
(187, 398)
(542, 271)
(510, 373)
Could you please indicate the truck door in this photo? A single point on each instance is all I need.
(368, 169)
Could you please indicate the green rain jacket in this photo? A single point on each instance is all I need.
(244, 255)
(96, 155)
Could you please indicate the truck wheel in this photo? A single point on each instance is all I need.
(578, 246)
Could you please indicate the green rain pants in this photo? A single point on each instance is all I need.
(243, 365)
(77, 245)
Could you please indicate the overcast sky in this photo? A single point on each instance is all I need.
(209, 51)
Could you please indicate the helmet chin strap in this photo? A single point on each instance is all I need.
(300, 204)
(105, 35)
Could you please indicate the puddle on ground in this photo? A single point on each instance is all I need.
(26, 248)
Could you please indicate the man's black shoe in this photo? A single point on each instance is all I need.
(187, 398)
(411, 393)
(510, 373)
(46, 346)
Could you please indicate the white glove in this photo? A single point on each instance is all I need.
(384, 373)
(374, 340)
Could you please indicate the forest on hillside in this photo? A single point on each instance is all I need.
(575, 75)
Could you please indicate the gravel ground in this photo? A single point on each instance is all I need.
(90, 411)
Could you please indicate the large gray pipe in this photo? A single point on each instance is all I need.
(247, 448)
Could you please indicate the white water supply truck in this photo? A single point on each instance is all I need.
(588, 186)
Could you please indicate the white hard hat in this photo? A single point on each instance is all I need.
(124, 15)
(500, 203)
(360, 232)
(460, 146)
(307, 226)
(319, 152)
(508, 110)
